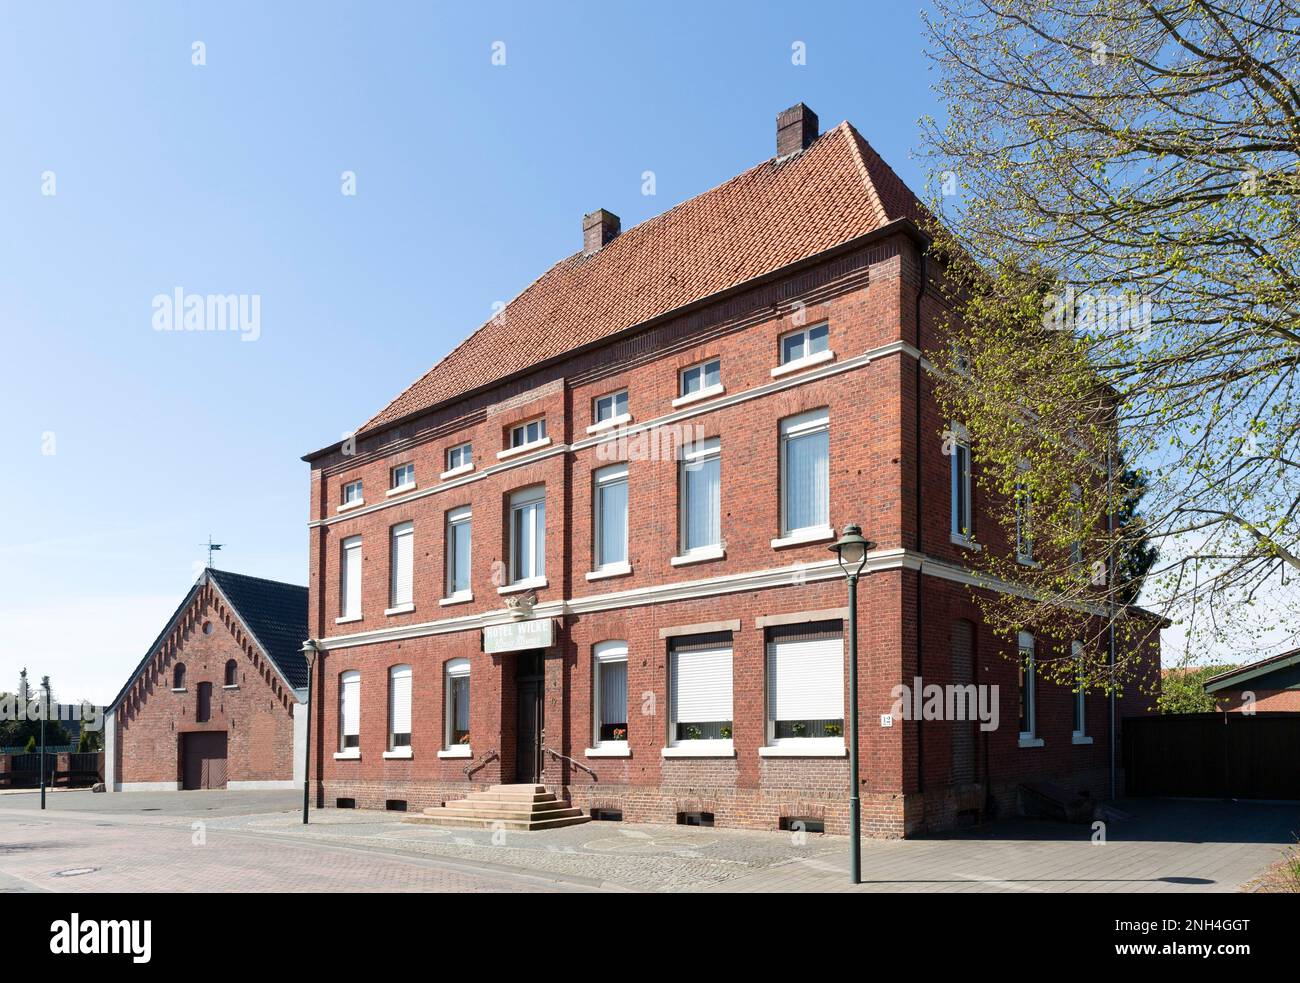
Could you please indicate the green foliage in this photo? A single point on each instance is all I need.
(1117, 229)
(1183, 689)
(31, 745)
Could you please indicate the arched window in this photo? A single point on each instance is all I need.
(204, 703)
(399, 708)
(178, 676)
(232, 673)
(610, 694)
(350, 712)
(457, 704)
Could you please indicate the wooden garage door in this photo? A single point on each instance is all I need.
(204, 759)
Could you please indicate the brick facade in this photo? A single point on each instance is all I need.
(866, 293)
(152, 718)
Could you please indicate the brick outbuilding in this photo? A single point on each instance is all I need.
(589, 547)
(1271, 684)
(217, 701)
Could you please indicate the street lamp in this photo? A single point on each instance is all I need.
(851, 550)
(309, 651)
(45, 685)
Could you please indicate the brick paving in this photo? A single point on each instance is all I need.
(143, 842)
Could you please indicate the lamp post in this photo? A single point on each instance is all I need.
(45, 711)
(309, 653)
(851, 550)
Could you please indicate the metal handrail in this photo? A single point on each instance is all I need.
(578, 764)
(480, 761)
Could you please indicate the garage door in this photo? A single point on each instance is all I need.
(204, 759)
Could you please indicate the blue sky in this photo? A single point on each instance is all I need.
(471, 179)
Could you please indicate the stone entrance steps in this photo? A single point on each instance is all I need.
(516, 807)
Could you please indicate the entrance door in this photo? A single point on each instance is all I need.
(203, 760)
(530, 720)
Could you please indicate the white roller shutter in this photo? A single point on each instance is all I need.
(403, 552)
(350, 698)
(350, 586)
(700, 689)
(805, 679)
(400, 700)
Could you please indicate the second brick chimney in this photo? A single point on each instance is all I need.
(598, 229)
(796, 129)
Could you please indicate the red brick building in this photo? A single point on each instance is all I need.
(656, 442)
(1268, 685)
(217, 701)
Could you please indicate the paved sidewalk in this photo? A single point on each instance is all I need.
(1166, 846)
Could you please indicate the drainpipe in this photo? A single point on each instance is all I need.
(1110, 605)
(920, 617)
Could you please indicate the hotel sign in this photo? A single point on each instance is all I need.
(515, 636)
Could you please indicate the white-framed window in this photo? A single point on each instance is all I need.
(700, 378)
(528, 433)
(700, 692)
(962, 527)
(805, 686)
(350, 711)
(805, 343)
(1024, 532)
(1080, 697)
(402, 476)
(459, 540)
(610, 694)
(528, 534)
(805, 472)
(700, 492)
(456, 710)
(402, 559)
(460, 456)
(350, 577)
(609, 407)
(1027, 689)
(611, 516)
(352, 492)
(399, 707)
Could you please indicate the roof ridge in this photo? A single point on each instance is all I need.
(249, 576)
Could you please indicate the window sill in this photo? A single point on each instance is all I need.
(815, 749)
(1027, 741)
(463, 598)
(1080, 739)
(700, 749)
(609, 749)
(802, 536)
(399, 609)
(459, 751)
(699, 556)
(1029, 562)
(706, 393)
(613, 570)
(519, 585)
(523, 448)
(347, 620)
(352, 755)
(354, 504)
(611, 423)
(231, 686)
(179, 689)
(398, 754)
(456, 472)
(400, 490)
(807, 362)
(964, 542)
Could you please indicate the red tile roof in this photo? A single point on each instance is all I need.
(774, 214)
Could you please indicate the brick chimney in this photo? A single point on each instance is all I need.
(598, 229)
(796, 129)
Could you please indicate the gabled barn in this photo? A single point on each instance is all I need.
(217, 701)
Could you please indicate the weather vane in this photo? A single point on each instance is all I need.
(211, 547)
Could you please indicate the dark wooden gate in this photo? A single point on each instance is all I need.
(203, 756)
(1213, 755)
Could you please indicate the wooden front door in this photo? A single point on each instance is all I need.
(203, 760)
(530, 719)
